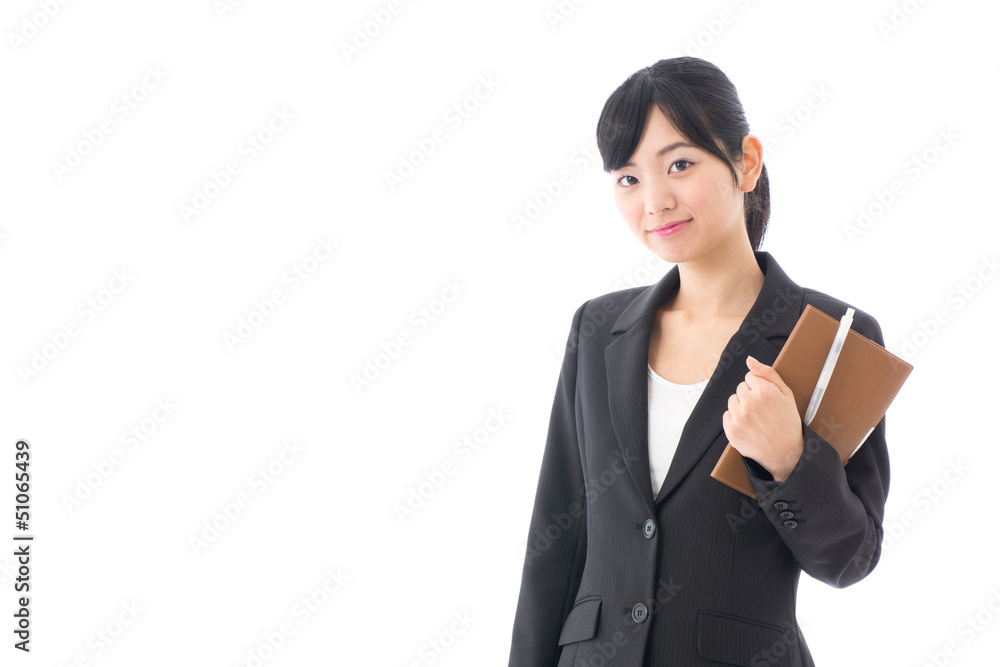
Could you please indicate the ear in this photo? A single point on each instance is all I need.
(751, 163)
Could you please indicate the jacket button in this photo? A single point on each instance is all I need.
(780, 505)
(786, 515)
(639, 612)
(649, 529)
(790, 524)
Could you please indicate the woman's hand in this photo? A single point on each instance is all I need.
(762, 422)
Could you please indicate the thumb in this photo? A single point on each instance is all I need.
(768, 373)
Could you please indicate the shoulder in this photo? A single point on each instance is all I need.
(595, 318)
(604, 309)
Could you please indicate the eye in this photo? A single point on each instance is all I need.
(686, 165)
(684, 162)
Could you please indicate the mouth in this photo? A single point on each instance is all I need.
(669, 227)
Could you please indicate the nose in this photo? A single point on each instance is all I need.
(659, 199)
(655, 206)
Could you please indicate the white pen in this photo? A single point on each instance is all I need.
(831, 361)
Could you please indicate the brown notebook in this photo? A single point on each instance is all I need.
(865, 381)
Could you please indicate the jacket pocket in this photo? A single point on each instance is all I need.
(746, 642)
(581, 623)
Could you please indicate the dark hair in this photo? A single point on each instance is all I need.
(701, 102)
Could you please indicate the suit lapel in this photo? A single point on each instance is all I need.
(773, 315)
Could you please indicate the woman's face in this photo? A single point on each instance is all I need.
(682, 184)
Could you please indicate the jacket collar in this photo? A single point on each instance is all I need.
(772, 316)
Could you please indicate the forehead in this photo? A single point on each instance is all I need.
(658, 126)
(659, 137)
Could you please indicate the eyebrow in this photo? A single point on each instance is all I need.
(662, 151)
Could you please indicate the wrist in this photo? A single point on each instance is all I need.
(781, 473)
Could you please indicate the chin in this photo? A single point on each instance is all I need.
(669, 253)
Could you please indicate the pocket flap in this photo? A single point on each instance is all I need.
(742, 641)
(581, 623)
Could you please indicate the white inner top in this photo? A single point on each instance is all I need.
(670, 405)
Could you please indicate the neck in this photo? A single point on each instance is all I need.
(723, 283)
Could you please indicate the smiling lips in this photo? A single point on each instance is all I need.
(669, 227)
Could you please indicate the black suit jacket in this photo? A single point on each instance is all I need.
(701, 574)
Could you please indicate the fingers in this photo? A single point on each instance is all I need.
(734, 403)
(743, 391)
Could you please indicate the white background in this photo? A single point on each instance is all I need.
(108, 541)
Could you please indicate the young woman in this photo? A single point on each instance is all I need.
(636, 556)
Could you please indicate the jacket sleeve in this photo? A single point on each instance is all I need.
(835, 527)
(556, 545)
